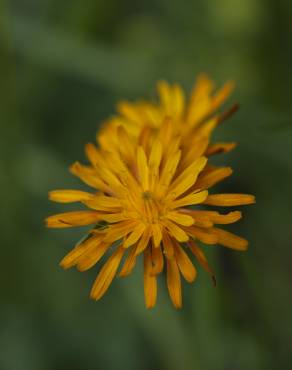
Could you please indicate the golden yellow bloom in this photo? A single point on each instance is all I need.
(146, 196)
(193, 120)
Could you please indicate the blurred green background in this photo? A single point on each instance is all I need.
(63, 66)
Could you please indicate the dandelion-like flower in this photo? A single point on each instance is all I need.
(146, 196)
(194, 119)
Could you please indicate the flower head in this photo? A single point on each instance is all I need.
(194, 119)
(146, 198)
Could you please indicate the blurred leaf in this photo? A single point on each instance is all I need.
(69, 54)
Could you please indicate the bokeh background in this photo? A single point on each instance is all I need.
(63, 66)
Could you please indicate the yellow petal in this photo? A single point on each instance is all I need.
(69, 196)
(73, 219)
(89, 176)
(206, 129)
(164, 95)
(230, 240)
(203, 86)
(154, 162)
(92, 256)
(199, 111)
(174, 283)
(220, 148)
(167, 173)
(155, 155)
(203, 104)
(195, 198)
(103, 203)
(222, 95)
(106, 136)
(114, 162)
(150, 283)
(200, 99)
(215, 217)
(145, 137)
(226, 200)
(166, 132)
(106, 274)
(178, 233)
(187, 178)
(200, 219)
(119, 230)
(157, 260)
(206, 236)
(156, 234)
(143, 168)
(74, 255)
(129, 111)
(143, 242)
(92, 153)
(152, 114)
(126, 146)
(109, 177)
(228, 218)
(194, 149)
(178, 101)
(185, 265)
(181, 219)
(135, 235)
(114, 217)
(203, 222)
(168, 247)
(130, 263)
(200, 256)
(212, 176)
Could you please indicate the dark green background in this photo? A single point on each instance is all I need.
(63, 66)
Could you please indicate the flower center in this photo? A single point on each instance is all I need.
(147, 195)
(152, 211)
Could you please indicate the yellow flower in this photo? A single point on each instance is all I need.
(146, 196)
(193, 119)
